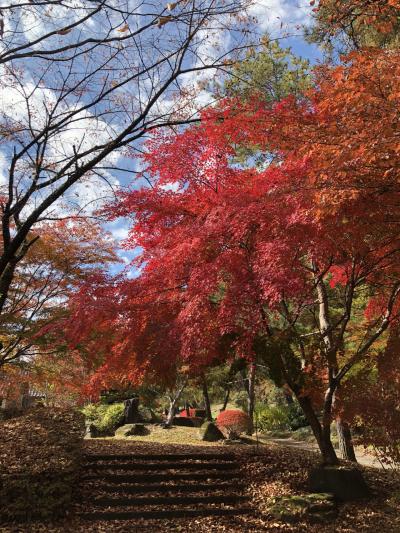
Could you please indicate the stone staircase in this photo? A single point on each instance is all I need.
(155, 486)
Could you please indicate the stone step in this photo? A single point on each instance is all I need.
(151, 478)
(169, 513)
(162, 466)
(162, 457)
(168, 500)
(175, 488)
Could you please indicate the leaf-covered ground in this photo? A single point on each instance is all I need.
(40, 441)
(40, 458)
(267, 472)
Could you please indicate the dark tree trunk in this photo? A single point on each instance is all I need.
(346, 447)
(207, 405)
(322, 435)
(226, 399)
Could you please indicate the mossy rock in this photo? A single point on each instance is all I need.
(130, 430)
(317, 507)
(209, 432)
(345, 483)
(93, 432)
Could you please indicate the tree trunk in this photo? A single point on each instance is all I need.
(207, 405)
(171, 412)
(226, 399)
(322, 435)
(173, 400)
(345, 443)
(288, 396)
(251, 395)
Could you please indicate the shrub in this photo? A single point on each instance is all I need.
(273, 417)
(241, 400)
(296, 416)
(233, 422)
(105, 418)
(280, 417)
(43, 452)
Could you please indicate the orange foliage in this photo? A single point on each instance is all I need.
(381, 14)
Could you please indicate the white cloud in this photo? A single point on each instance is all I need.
(26, 106)
(120, 233)
(3, 170)
(172, 186)
(280, 15)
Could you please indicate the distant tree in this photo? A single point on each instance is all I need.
(355, 24)
(66, 254)
(272, 73)
(81, 84)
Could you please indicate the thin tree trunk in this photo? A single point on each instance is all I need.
(173, 400)
(345, 443)
(226, 399)
(251, 395)
(206, 398)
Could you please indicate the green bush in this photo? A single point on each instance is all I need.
(272, 417)
(105, 418)
(280, 417)
(296, 417)
(241, 400)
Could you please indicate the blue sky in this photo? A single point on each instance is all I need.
(281, 19)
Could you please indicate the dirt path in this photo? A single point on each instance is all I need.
(362, 456)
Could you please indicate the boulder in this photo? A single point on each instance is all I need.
(92, 432)
(131, 411)
(129, 430)
(209, 432)
(344, 482)
(318, 508)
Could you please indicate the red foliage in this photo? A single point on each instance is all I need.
(234, 422)
(225, 244)
(124, 329)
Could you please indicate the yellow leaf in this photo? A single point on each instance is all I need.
(171, 6)
(163, 20)
(124, 28)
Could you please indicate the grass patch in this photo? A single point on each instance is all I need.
(174, 435)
